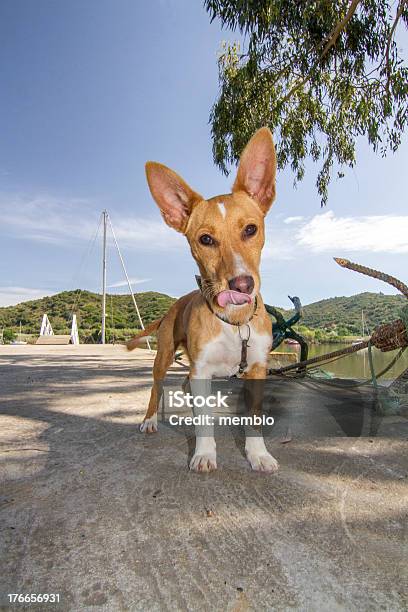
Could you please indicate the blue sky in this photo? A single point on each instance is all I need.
(89, 92)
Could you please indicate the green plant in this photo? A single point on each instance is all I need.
(9, 336)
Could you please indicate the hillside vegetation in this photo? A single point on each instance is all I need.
(339, 316)
(343, 314)
(122, 321)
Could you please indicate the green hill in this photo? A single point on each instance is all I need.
(340, 315)
(343, 314)
(122, 319)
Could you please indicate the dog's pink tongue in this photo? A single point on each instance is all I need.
(233, 297)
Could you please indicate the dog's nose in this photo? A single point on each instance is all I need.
(244, 284)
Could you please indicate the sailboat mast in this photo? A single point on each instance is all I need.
(103, 331)
(128, 281)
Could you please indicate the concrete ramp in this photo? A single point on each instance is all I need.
(54, 339)
(113, 520)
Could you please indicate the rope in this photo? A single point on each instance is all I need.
(386, 337)
(128, 280)
(390, 336)
(392, 362)
(335, 355)
(321, 358)
(85, 256)
(371, 363)
(350, 383)
(386, 278)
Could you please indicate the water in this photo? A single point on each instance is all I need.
(355, 365)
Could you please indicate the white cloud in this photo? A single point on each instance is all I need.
(337, 235)
(278, 241)
(14, 295)
(277, 250)
(146, 234)
(45, 218)
(293, 219)
(64, 221)
(133, 281)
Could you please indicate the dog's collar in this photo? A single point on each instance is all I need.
(200, 286)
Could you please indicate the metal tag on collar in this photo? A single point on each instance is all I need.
(244, 350)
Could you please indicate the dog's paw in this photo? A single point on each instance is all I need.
(149, 425)
(203, 462)
(263, 462)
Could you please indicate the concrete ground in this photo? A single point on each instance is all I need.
(112, 519)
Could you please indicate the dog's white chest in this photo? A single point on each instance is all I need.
(221, 356)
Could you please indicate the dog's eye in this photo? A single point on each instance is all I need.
(207, 240)
(249, 230)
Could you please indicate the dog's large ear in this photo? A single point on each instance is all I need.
(257, 169)
(172, 195)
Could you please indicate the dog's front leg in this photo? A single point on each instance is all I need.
(258, 456)
(205, 456)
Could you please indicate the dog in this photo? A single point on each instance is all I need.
(226, 235)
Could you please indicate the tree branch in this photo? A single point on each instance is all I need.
(332, 38)
(335, 33)
(402, 5)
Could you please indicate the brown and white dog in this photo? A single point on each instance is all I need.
(226, 236)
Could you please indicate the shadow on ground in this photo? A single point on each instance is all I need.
(112, 519)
